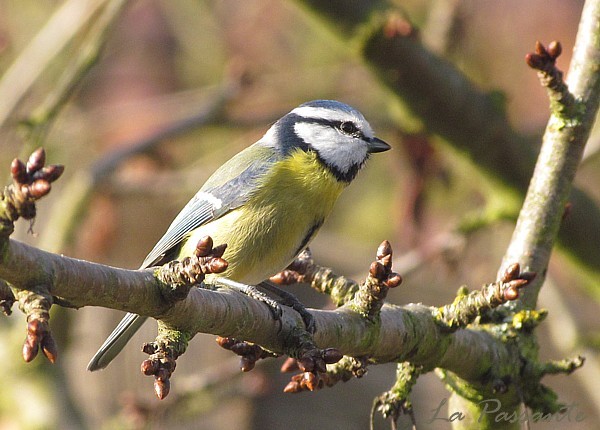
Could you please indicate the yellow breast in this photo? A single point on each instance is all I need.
(264, 235)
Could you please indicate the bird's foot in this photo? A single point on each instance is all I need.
(255, 293)
(289, 300)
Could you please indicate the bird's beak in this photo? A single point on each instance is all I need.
(377, 145)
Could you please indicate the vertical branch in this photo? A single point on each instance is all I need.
(564, 140)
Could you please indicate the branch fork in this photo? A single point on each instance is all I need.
(178, 277)
(469, 306)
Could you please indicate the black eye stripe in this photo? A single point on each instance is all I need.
(337, 125)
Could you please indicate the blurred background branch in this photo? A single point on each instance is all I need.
(60, 29)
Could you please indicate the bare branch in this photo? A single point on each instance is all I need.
(574, 105)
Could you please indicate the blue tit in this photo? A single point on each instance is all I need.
(267, 202)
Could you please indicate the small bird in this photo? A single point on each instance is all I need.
(267, 202)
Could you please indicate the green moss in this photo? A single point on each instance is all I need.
(172, 339)
(528, 319)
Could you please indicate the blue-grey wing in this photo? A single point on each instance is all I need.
(227, 189)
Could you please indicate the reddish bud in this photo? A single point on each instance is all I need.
(204, 246)
(384, 249)
(149, 367)
(511, 272)
(30, 349)
(517, 283)
(50, 173)
(18, 171)
(49, 348)
(554, 49)
(217, 265)
(162, 388)
(310, 381)
(540, 49)
(292, 387)
(36, 328)
(286, 277)
(511, 294)
(36, 160)
(393, 280)
(226, 342)
(332, 355)
(534, 61)
(289, 365)
(280, 278)
(39, 188)
(376, 270)
(219, 250)
(247, 364)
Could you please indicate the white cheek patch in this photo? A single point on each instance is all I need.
(334, 148)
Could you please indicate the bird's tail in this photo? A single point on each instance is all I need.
(116, 341)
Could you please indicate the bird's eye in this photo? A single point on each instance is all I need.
(349, 128)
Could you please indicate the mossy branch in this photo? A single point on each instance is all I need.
(574, 105)
(408, 333)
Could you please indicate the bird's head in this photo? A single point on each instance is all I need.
(339, 135)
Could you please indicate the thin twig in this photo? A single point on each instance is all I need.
(564, 334)
(88, 53)
(61, 28)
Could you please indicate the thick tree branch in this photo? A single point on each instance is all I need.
(403, 333)
(127, 290)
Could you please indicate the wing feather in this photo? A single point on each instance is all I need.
(217, 197)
